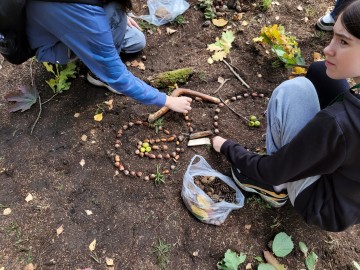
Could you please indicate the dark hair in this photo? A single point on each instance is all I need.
(350, 18)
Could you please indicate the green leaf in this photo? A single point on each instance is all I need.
(266, 266)
(357, 266)
(49, 67)
(311, 261)
(231, 260)
(304, 249)
(23, 99)
(258, 258)
(282, 244)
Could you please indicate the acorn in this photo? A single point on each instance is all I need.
(172, 138)
(166, 132)
(139, 174)
(117, 158)
(133, 173)
(164, 147)
(126, 172)
(166, 172)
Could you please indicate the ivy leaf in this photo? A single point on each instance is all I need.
(282, 244)
(266, 266)
(311, 261)
(231, 260)
(24, 99)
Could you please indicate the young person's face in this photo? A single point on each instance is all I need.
(343, 54)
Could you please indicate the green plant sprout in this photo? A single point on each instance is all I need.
(266, 4)
(207, 7)
(179, 20)
(158, 124)
(162, 254)
(231, 260)
(144, 25)
(159, 177)
(62, 75)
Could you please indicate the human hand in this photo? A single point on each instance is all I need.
(178, 104)
(132, 23)
(217, 142)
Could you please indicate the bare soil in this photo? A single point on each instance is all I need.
(129, 214)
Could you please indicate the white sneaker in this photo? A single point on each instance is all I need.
(326, 23)
(93, 79)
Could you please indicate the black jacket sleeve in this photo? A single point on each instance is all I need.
(318, 149)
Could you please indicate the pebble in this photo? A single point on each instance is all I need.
(206, 24)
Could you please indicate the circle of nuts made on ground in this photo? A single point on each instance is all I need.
(158, 144)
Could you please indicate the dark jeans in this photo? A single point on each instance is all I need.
(327, 89)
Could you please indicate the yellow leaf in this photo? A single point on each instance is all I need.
(109, 261)
(258, 39)
(219, 22)
(98, 117)
(199, 213)
(218, 56)
(60, 230)
(213, 47)
(7, 211)
(298, 71)
(210, 61)
(29, 197)
(203, 201)
(92, 245)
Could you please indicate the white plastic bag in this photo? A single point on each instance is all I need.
(198, 202)
(164, 11)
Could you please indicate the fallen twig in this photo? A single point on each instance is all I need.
(236, 75)
(221, 85)
(38, 117)
(231, 109)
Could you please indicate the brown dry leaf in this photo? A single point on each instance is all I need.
(29, 198)
(244, 23)
(84, 138)
(30, 266)
(317, 57)
(60, 230)
(219, 22)
(109, 261)
(92, 245)
(82, 162)
(299, 7)
(170, 31)
(110, 103)
(237, 16)
(7, 211)
(248, 266)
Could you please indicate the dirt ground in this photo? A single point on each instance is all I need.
(129, 214)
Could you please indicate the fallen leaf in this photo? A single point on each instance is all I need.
(7, 211)
(248, 266)
(30, 266)
(298, 71)
(210, 61)
(196, 253)
(170, 31)
(277, 18)
(29, 198)
(221, 80)
(247, 226)
(88, 212)
(76, 115)
(60, 230)
(109, 261)
(98, 117)
(237, 16)
(219, 22)
(299, 7)
(92, 245)
(84, 138)
(110, 104)
(23, 99)
(244, 23)
(82, 162)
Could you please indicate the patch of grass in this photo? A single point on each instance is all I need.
(159, 177)
(162, 254)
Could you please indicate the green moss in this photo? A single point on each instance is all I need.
(169, 78)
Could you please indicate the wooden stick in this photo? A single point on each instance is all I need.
(200, 134)
(178, 92)
(236, 75)
(221, 85)
(231, 109)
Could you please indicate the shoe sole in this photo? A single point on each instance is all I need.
(274, 202)
(101, 84)
(324, 26)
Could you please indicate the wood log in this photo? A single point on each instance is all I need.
(200, 134)
(186, 92)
